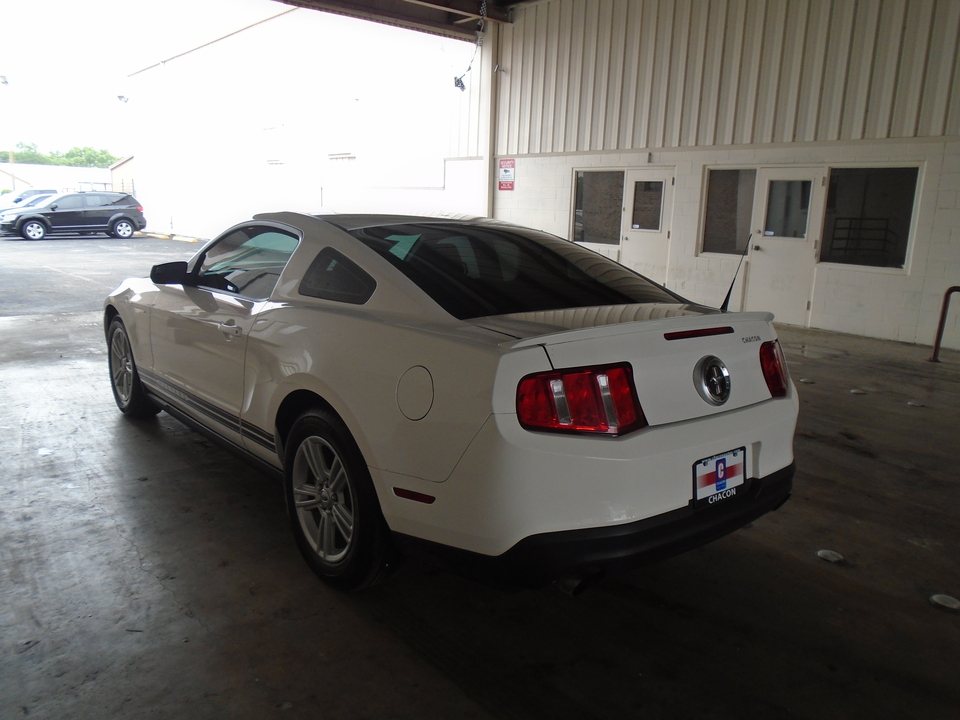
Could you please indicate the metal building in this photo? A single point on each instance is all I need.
(819, 137)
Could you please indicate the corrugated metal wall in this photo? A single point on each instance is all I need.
(587, 75)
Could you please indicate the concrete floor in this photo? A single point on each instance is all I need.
(146, 573)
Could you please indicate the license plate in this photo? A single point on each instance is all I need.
(718, 478)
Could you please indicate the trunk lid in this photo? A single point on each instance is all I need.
(661, 344)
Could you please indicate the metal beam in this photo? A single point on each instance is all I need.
(465, 7)
(451, 18)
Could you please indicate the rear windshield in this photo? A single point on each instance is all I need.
(474, 271)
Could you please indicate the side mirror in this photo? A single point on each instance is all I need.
(53, 207)
(171, 273)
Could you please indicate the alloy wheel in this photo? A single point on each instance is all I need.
(324, 498)
(123, 229)
(34, 231)
(121, 366)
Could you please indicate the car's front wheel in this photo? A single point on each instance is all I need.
(33, 230)
(124, 378)
(333, 507)
(122, 229)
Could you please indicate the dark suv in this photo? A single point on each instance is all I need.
(116, 214)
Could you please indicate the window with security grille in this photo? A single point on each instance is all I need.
(868, 216)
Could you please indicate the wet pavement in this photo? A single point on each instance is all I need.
(145, 572)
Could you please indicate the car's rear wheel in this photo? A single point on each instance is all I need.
(333, 507)
(33, 230)
(124, 378)
(122, 229)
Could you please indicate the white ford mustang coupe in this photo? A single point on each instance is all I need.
(521, 407)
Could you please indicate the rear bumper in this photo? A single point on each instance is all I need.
(540, 559)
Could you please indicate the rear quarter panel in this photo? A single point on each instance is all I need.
(354, 360)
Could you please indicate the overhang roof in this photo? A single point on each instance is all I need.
(452, 18)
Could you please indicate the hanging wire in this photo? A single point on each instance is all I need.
(458, 81)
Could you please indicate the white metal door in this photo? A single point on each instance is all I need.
(646, 221)
(787, 224)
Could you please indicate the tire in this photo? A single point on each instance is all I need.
(124, 379)
(332, 504)
(122, 229)
(33, 230)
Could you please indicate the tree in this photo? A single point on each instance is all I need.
(28, 154)
(75, 157)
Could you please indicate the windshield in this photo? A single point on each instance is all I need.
(475, 270)
(35, 200)
(46, 200)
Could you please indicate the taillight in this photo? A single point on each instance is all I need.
(139, 208)
(774, 368)
(599, 400)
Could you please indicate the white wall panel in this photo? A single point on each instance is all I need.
(913, 62)
(885, 69)
(940, 69)
(596, 75)
(733, 43)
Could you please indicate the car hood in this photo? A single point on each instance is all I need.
(548, 322)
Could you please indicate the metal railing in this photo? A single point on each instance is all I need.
(867, 241)
(125, 185)
(943, 322)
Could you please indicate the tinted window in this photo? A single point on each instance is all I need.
(248, 261)
(331, 276)
(69, 202)
(474, 271)
(95, 200)
(124, 200)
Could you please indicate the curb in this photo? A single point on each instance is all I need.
(169, 236)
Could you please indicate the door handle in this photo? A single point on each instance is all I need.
(757, 247)
(230, 329)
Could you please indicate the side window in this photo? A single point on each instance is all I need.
(70, 202)
(124, 200)
(248, 261)
(331, 276)
(95, 200)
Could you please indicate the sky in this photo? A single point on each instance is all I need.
(67, 61)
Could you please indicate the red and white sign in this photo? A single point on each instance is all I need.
(508, 173)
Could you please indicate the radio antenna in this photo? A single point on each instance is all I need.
(726, 300)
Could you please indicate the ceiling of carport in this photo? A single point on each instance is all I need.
(452, 18)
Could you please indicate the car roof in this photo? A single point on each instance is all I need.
(350, 221)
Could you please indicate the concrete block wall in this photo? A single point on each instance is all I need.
(891, 303)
